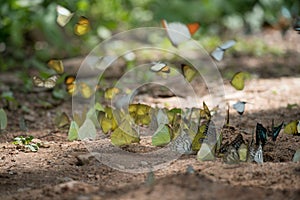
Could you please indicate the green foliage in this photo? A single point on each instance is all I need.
(30, 35)
(27, 143)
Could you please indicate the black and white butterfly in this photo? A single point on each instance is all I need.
(218, 53)
(47, 83)
(239, 107)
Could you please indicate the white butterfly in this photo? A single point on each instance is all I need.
(298, 127)
(48, 83)
(239, 107)
(178, 32)
(160, 67)
(258, 157)
(218, 53)
(63, 15)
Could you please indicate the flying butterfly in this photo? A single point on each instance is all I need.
(63, 15)
(178, 32)
(218, 53)
(82, 27)
(73, 88)
(160, 67)
(239, 107)
(47, 83)
(70, 84)
(188, 72)
(238, 80)
(56, 65)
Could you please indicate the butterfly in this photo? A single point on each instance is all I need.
(73, 88)
(258, 157)
(110, 93)
(70, 84)
(48, 83)
(182, 144)
(63, 15)
(61, 120)
(218, 53)
(82, 26)
(178, 32)
(238, 80)
(239, 107)
(275, 131)
(56, 65)
(188, 72)
(292, 128)
(261, 134)
(231, 156)
(160, 67)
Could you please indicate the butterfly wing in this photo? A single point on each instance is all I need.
(70, 84)
(37, 81)
(227, 44)
(160, 67)
(63, 15)
(82, 26)
(275, 131)
(56, 65)
(239, 107)
(177, 32)
(217, 54)
(261, 134)
(188, 72)
(238, 80)
(85, 90)
(258, 157)
(51, 81)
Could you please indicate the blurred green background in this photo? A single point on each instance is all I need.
(30, 36)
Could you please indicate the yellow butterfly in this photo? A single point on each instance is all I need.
(238, 80)
(56, 65)
(110, 93)
(140, 113)
(82, 26)
(73, 88)
(70, 84)
(188, 72)
(48, 83)
(205, 113)
(63, 15)
(292, 128)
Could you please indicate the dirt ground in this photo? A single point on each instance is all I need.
(67, 170)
